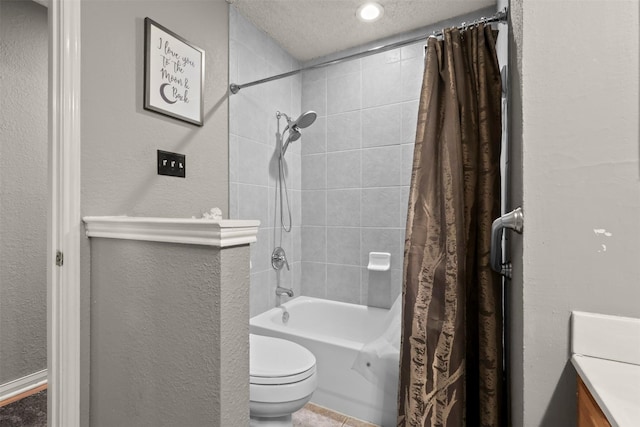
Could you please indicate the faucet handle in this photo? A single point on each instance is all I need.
(279, 258)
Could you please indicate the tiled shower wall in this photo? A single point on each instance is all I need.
(253, 163)
(348, 175)
(356, 171)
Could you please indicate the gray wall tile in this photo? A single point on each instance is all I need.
(296, 93)
(233, 200)
(378, 285)
(233, 61)
(381, 59)
(381, 207)
(252, 200)
(258, 293)
(296, 278)
(254, 162)
(314, 244)
(412, 71)
(381, 126)
(381, 166)
(314, 97)
(343, 208)
(344, 131)
(343, 283)
(380, 85)
(250, 66)
(342, 68)
(249, 117)
(271, 213)
(343, 245)
(343, 169)
(314, 138)
(314, 172)
(278, 57)
(314, 207)
(296, 233)
(260, 260)
(314, 279)
(295, 202)
(293, 171)
(343, 93)
(314, 75)
(412, 51)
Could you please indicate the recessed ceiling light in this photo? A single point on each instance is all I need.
(370, 12)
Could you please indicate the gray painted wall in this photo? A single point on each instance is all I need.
(120, 138)
(253, 166)
(169, 336)
(575, 132)
(23, 188)
(234, 336)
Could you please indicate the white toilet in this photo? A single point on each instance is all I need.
(282, 379)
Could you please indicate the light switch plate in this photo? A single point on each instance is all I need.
(172, 164)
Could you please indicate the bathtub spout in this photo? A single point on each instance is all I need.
(284, 291)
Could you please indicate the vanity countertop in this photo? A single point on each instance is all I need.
(614, 385)
(606, 354)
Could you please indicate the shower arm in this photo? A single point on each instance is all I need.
(513, 220)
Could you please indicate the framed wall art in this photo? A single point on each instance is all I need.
(173, 74)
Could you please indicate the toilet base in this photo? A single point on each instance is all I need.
(284, 421)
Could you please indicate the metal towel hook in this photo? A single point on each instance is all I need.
(513, 220)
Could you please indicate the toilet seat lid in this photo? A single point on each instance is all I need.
(278, 361)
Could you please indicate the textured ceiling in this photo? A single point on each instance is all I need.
(309, 29)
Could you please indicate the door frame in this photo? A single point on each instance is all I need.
(64, 221)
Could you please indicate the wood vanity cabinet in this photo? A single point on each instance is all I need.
(589, 412)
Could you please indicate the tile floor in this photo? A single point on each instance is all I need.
(316, 416)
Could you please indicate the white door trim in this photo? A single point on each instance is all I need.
(63, 282)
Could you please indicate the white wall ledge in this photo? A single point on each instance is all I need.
(218, 233)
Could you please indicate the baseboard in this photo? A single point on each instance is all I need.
(24, 385)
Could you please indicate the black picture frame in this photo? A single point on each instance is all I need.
(173, 74)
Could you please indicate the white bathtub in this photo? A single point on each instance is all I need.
(335, 332)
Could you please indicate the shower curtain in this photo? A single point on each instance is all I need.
(451, 350)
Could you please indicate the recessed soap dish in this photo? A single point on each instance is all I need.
(379, 261)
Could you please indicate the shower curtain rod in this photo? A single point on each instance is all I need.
(500, 16)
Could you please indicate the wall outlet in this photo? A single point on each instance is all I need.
(171, 164)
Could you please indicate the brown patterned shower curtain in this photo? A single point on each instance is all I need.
(451, 351)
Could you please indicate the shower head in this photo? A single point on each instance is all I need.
(294, 126)
(305, 120)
